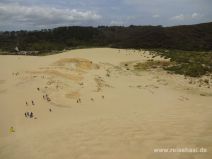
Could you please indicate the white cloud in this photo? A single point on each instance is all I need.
(41, 15)
(36, 14)
(178, 17)
(156, 16)
(182, 17)
(196, 15)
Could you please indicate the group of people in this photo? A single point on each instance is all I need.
(29, 114)
(103, 97)
(79, 100)
(46, 97)
(33, 103)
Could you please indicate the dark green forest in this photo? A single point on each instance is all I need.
(186, 37)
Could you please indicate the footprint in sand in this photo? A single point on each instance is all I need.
(59, 105)
(162, 82)
(182, 98)
(205, 94)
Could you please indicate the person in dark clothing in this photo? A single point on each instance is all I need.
(48, 99)
(31, 115)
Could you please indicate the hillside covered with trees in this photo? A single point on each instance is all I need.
(191, 37)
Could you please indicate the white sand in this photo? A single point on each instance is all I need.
(139, 111)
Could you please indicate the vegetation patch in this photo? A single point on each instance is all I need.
(188, 63)
(152, 64)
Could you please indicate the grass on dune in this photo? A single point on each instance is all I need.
(188, 63)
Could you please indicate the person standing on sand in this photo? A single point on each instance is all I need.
(33, 102)
(12, 130)
(47, 98)
(31, 115)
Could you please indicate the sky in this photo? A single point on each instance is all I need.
(43, 14)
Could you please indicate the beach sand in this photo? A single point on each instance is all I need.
(93, 104)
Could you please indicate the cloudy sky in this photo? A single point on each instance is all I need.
(40, 14)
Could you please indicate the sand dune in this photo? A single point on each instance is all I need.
(93, 104)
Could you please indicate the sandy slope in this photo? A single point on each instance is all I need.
(123, 114)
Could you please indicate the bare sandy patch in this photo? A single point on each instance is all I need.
(2, 81)
(76, 63)
(71, 76)
(73, 95)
